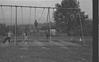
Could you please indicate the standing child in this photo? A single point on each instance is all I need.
(25, 37)
(47, 33)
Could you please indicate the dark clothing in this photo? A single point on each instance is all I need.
(7, 38)
(47, 34)
(36, 23)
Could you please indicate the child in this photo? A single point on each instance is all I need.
(47, 34)
(8, 38)
(25, 37)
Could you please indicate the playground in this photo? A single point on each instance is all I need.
(29, 42)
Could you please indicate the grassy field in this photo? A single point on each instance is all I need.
(48, 53)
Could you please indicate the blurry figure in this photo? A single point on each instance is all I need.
(36, 26)
(80, 39)
(53, 32)
(8, 38)
(71, 38)
(47, 33)
(25, 37)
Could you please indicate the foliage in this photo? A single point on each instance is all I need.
(68, 20)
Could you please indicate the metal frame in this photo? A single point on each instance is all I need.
(35, 7)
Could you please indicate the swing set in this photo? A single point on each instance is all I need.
(48, 18)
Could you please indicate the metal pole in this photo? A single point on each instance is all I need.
(22, 22)
(36, 7)
(16, 25)
(30, 16)
(35, 19)
(49, 23)
(11, 15)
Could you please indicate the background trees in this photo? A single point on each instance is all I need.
(68, 20)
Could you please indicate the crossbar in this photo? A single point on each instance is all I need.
(35, 7)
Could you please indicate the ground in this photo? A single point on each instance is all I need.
(39, 50)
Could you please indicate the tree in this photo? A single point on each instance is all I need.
(68, 19)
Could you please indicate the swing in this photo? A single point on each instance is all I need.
(22, 22)
(41, 14)
(35, 23)
(36, 20)
(30, 21)
(11, 28)
(30, 18)
(52, 30)
(49, 26)
(81, 39)
(24, 35)
(11, 20)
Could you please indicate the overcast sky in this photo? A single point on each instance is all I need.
(86, 5)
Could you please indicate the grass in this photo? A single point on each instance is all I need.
(48, 54)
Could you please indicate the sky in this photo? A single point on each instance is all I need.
(85, 5)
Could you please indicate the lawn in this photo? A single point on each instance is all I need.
(47, 53)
